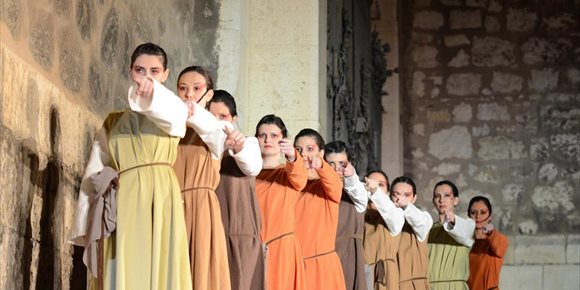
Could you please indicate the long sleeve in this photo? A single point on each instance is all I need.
(210, 130)
(420, 221)
(462, 231)
(498, 243)
(249, 159)
(357, 192)
(393, 216)
(163, 108)
(330, 182)
(99, 157)
(296, 172)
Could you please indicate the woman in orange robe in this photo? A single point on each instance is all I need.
(317, 215)
(278, 187)
(486, 256)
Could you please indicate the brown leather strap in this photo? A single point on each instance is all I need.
(318, 255)
(198, 188)
(278, 237)
(146, 165)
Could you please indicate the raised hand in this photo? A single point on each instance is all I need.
(450, 217)
(371, 185)
(348, 170)
(144, 86)
(190, 108)
(487, 229)
(235, 140)
(287, 149)
(313, 162)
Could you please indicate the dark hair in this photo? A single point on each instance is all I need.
(150, 49)
(383, 174)
(311, 133)
(407, 180)
(478, 199)
(200, 70)
(272, 119)
(221, 96)
(335, 147)
(448, 183)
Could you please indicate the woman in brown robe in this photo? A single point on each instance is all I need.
(236, 193)
(349, 233)
(197, 169)
(412, 256)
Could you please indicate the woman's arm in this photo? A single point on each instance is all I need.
(498, 243)
(357, 192)
(99, 157)
(249, 159)
(163, 108)
(210, 130)
(330, 181)
(296, 172)
(420, 221)
(393, 216)
(461, 231)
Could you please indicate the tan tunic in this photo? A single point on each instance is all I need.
(198, 175)
(381, 251)
(412, 258)
(236, 193)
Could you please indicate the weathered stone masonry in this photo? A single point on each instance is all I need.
(63, 68)
(492, 102)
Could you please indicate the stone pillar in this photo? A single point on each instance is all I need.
(386, 24)
(280, 67)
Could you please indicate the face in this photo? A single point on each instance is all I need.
(443, 199)
(381, 179)
(191, 86)
(401, 192)
(147, 65)
(480, 214)
(221, 111)
(307, 147)
(269, 135)
(337, 161)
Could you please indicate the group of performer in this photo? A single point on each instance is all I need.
(175, 197)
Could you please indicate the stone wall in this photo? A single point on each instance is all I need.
(492, 101)
(63, 68)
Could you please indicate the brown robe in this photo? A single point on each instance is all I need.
(242, 224)
(381, 251)
(413, 261)
(349, 246)
(198, 176)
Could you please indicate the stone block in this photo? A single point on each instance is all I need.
(566, 146)
(521, 277)
(71, 60)
(85, 16)
(521, 20)
(561, 117)
(528, 227)
(573, 77)
(463, 84)
(418, 89)
(500, 148)
(573, 249)
(422, 38)
(492, 51)
(41, 39)
(110, 38)
(456, 40)
(462, 113)
(446, 169)
(492, 112)
(492, 24)
(461, 59)
(561, 22)
(544, 79)
(480, 131)
(547, 172)
(562, 277)
(543, 50)
(506, 82)
(425, 56)
(454, 142)
(428, 20)
(465, 19)
(540, 249)
(11, 15)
